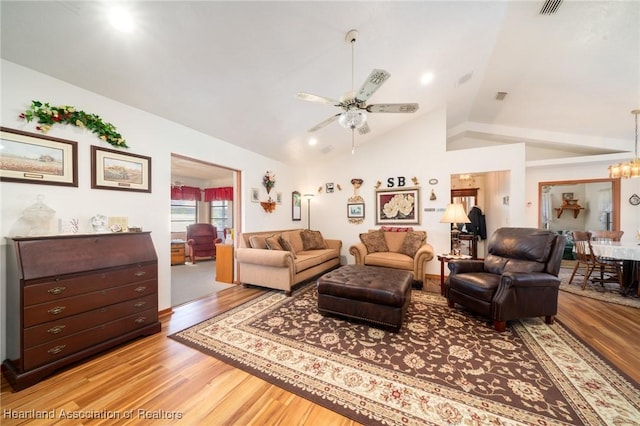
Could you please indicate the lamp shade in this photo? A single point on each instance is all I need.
(454, 214)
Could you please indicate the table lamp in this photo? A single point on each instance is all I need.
(455, 214)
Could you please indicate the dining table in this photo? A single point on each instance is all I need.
(627, 252)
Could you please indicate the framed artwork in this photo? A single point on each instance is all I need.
(398, 206)
(355, 210)
(123, 171)
(255, 195)
(567, 196)
(279, 197)
(296, 206)
(35, 158)
(329, 187)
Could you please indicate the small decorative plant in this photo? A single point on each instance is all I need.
(269, 180)
(48, 115)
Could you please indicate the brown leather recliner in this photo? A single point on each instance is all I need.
(202, 239)
(517, 279)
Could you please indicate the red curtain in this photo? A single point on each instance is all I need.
(224, 193)
(189, 193)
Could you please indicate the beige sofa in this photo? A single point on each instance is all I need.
(292, 259)
(389, 247)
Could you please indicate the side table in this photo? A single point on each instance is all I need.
(224, 263)
(177, 252)
(444, 258)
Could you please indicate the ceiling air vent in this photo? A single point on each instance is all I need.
(550, 7)
(501, 95)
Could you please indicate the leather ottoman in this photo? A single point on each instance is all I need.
(377, 295)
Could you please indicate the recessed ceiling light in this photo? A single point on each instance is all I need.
(121, 19)
(426, 78)
(313, 141)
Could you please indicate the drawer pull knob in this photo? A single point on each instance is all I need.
(57, 329)
(57, 310)
(56, 290)
(140, 304)
(140, 289)
(140, 320)
(140, 273)
(56, 349)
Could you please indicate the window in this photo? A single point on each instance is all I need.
(221, 216)
(183, 213)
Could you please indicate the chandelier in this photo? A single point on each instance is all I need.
(629, 169)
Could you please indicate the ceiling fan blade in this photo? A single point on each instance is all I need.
(392, 108)
(373, 83)
(315, 98)
(364, 129)
(324, 123)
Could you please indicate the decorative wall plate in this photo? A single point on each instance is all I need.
(634, 200)
(433, 181)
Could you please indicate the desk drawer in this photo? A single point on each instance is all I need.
(45, 312)
(59, 288)
(51, 351)
(64, 327)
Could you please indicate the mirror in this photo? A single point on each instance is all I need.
(467, 197)
(579, 205)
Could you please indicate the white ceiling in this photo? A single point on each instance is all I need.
(232, 69)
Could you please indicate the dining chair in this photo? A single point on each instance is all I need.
(606, 235)
(609, 271)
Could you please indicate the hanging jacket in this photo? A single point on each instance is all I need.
(478, 224)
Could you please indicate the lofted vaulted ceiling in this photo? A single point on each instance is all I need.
(232, 69)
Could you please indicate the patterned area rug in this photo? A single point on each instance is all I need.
(609, 293)
(444, 367)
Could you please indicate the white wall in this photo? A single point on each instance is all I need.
(146, 134)
(417, 150)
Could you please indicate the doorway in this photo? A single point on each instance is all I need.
(193, 280)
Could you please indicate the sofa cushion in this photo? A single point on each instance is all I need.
(309, 259)
(374, 241)
(286, 245)
(273, 242)
(258, 241)
(394, 240)
(295, 239)
(389, 260)
(412, 243)
(312, 240)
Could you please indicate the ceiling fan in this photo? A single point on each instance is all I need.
(354, 104)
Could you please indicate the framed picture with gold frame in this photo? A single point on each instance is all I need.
(35, 158)
(123, 171)
(398, 206)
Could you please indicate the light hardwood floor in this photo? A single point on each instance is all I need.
(165, 378)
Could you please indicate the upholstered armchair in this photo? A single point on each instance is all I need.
(517, 279)
(201, 240)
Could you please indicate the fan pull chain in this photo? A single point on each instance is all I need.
(353, 142)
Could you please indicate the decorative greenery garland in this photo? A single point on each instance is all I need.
(48, 115)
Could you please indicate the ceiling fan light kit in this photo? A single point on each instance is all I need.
(354, 103)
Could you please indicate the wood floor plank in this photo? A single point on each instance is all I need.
(159, 375)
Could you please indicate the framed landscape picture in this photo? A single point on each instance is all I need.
(35, 158)
(355, 211)
(119, 170)
(398, 206)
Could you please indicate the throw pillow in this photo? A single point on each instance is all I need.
(412, 243)
(273, 242)
(312, 240)
(396, 228)
(286, 245)
(374, 241)
(257, 242)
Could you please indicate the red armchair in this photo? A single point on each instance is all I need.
(201, 240)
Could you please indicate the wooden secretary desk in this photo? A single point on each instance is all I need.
(72, 296)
